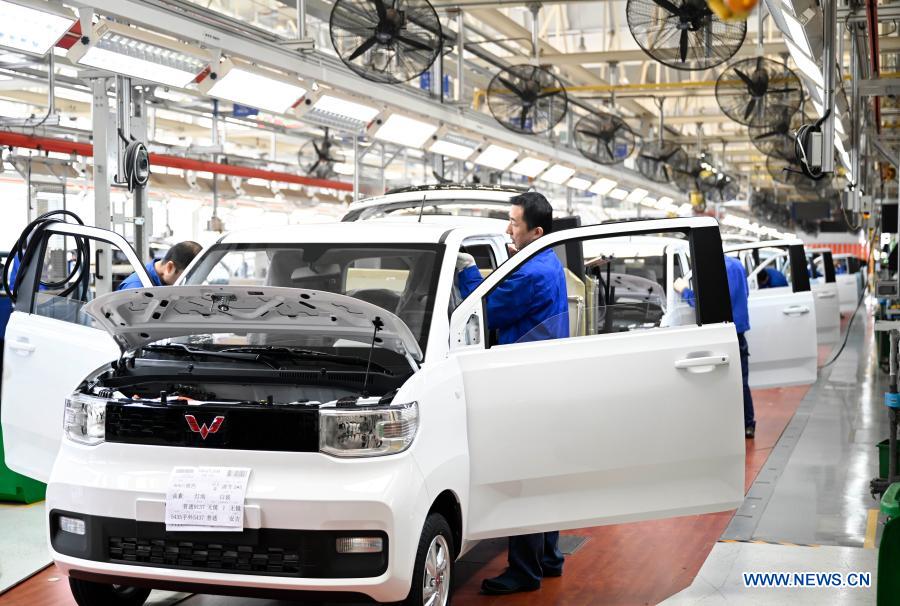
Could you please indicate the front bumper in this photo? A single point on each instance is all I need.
(297, 504)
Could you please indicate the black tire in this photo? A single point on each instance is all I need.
(87, 593)
(436, 530)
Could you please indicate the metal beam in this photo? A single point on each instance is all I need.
(195, 24)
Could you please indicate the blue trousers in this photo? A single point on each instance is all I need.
(749, 419)
(531, 554)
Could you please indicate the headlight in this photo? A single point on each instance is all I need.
(367, 432)
(85, 418)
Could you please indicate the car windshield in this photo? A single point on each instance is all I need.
(400, 278)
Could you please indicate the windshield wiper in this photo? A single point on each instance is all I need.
(305, 354)
(180, 348)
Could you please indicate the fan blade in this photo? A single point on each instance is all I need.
(415, 43)
(683, 45)
(313, 168)
(771, 133)
(783, 90)
(590, 133)
(510, 86)
(649, 157)
(609, 150)
(550, 93)
(363, 48)
(746, 79)
(522, 117)
(667, 6)
(318, 151)
(750, 107)
(381, 9)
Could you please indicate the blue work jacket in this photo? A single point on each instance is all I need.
(737, 289)
(133, 281)
(776, 278)
(531, 304)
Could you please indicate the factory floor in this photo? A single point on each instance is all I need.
(808, 509)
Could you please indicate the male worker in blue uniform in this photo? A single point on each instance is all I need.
(165, 271)
(529, 305)
(770, 277)
(739, 292)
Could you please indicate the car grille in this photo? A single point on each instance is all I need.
(245, 427)
(207, 556)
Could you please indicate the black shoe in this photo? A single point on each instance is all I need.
(552, 572)
(750, 432)
(507, 583)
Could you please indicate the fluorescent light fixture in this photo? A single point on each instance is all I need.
(603, 186)
(665, 200)
(143, 55)
(345, 108)
(636, 195)
(496, 157)
(797, 33)
(32, 27)
(530, 167)
(453, 146)
(618, 194)
(648, 201)
(405, 131)
(806, 64)
(557, 174)
(579, 183)
(243, 83)
(686, 209)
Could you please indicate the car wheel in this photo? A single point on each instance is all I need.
(87, 593)
(433, 572)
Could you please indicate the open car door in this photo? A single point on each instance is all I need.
(825, 292)
(620, 421)
(849, 284)
(782, 337)
(51, 345)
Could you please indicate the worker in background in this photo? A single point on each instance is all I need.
(529, 304)
(739, 292)
(770, 277)
(165, 271)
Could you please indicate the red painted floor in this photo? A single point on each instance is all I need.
(625, 564)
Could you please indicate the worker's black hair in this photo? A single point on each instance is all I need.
(536, 210)
(182, 254)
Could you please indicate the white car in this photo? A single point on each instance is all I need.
(356, 414)
(850, 280)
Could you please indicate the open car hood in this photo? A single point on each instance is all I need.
(140, 316)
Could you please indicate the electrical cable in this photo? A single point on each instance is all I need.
(30, 243)
(862, 297)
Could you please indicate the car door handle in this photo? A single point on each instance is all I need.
(795, 310)
(826, 295)
(22, 347)
(698, 364)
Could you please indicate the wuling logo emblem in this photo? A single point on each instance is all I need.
(203, 430)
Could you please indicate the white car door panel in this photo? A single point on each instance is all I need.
(782, 338)
(56, 360)
(828, 315)
(50, 347)
(848, 292)
(603, 428)
(572, 454)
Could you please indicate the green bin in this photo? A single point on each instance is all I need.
(16, 487)
(884, 458)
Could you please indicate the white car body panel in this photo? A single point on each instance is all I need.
(828, 314)
(848, 292)
(783, 338)
(44, 359)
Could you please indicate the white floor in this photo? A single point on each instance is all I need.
(720, 580)
(23, 542)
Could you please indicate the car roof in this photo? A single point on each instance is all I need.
(389, 231)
